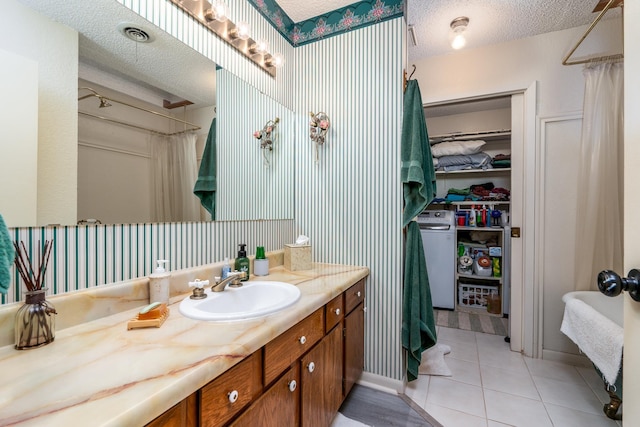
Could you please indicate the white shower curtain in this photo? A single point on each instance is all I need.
(174, 170)
(599, 208)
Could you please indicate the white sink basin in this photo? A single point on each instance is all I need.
(253, 299)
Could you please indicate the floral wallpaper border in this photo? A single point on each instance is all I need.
(339, 21)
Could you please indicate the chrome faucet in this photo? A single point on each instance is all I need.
(233, 280)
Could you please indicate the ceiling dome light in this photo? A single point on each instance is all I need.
(458, 27)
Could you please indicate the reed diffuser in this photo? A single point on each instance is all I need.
(35, 321)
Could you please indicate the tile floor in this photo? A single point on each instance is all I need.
(492, 386)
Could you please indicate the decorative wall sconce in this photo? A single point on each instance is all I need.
(267, 136)
(215, 18)
(319, 126)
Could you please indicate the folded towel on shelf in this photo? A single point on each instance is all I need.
(473, 161)
(597, 336)
(7, 256)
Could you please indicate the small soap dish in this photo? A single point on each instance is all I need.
(146, 318)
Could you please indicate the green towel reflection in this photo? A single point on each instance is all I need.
(205, 187)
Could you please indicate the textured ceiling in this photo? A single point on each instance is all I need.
(160, 66)
(492, 21)
(303, 10)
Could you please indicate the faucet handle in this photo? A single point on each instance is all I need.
(198, 291)
(198, 283)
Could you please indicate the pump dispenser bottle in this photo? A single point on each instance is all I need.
(261, 263)
(226, 268)
(160, 284)
(242, 262)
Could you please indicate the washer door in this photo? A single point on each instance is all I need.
(439, 251)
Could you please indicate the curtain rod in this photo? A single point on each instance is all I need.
(105, 98)
(565, 60)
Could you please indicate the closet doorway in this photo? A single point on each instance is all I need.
(484, 183)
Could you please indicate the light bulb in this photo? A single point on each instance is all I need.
(458, 27)
(221, 11)
(276, 60)
(243, 30)
(260, 46)
(458, 41)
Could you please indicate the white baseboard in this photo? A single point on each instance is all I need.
(568, 358)
(380, 383)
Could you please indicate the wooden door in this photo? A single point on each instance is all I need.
(279, 406)
(321, 381)
(353, 347)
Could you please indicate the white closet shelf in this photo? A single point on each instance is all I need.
(477, 202)
(485, 171)
(487, 135)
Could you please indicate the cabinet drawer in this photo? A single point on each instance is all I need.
(334, 312)
(354, 296)
(280, 353)
(216, 403)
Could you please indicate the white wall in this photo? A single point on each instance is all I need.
(55, 48)
(19, 149)
(514, 66)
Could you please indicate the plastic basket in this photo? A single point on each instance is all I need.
(474, 295)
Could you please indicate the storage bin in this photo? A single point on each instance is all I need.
(475, 296)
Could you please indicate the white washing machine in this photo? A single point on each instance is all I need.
(439, 243)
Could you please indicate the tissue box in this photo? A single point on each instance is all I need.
(297, 257)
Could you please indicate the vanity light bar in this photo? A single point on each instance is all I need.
(207, 14)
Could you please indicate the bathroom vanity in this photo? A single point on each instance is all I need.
(293, 367)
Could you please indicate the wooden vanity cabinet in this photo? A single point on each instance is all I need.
(298, 379)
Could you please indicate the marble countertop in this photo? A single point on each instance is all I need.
(99, 373)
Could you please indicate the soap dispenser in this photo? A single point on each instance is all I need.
(226, 268)
(261, 263)
(242, 262)
(160, 284)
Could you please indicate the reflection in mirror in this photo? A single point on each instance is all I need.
(146, 74)
(144, 171)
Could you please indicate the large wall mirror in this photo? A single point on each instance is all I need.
(116, 182)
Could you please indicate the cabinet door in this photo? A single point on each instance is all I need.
(279, 406)
(321, 381)
(353, 347)
(184, 414)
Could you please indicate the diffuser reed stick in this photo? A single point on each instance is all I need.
(32, 281)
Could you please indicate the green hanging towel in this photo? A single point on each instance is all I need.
(7, 256)
(205, 187)
(418, 182)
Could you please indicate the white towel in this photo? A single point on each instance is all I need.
(598, 337)
(433, 363)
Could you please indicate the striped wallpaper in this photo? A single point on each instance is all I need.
(350, 202)
(242, 109)
(86, 256)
